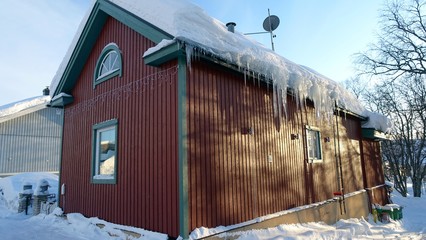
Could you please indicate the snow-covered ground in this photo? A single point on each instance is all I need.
(75, 226)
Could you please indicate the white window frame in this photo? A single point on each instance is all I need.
(110, 60)
(317, 156)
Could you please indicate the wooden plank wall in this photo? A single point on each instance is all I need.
(374, 179)
(230, 177)
(144, 100)
(373, 163)
(350, 150)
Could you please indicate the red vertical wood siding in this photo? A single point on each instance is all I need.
(373, 163)
(373, 171)
(230, 177)
(144, 100)
(350, 142)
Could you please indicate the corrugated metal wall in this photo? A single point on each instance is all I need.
(144, 102)
(31, 142)
(230, 177)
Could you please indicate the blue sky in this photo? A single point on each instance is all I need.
(322, 35)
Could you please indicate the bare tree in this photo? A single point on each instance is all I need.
(405, 152)
(356, 85)
(399, 59)
(401, 46)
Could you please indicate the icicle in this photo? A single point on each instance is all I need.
(189, 52)
(258, 79)
(245, 77)
(197, 54)
(274, 99)
(283, 91)
(253, 77)
(279, 99)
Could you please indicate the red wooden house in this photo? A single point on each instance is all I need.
(167, 131)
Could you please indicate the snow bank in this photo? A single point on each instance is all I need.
(13, 185)
(75, 226)
(344, 229)
(15, 107)
(199, 33)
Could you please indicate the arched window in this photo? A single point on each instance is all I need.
(108, 64)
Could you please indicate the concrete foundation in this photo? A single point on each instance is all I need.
(355, 205)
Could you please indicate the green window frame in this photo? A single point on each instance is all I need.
(313, 142)
(104, 152)
(108, 65)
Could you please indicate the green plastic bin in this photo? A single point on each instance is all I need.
(394, 211)
(384, 214)
(397, 211)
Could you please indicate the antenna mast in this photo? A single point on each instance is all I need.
(269, 24)
(270, 27)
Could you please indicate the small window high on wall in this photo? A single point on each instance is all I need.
(313, 140)
(109, 64)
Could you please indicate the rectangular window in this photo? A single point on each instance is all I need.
(104, 160)
(313, 140)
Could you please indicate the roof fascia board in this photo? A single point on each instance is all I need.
(82, 50)
(345, 111)
(371, 133)
(61, 101)
(163, 55)
(129, 19)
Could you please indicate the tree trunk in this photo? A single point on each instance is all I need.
(400, 185)
(417, 187)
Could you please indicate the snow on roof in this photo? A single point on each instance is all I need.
(191, 25)
(19, 106)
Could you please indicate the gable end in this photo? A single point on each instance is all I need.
(97, 18)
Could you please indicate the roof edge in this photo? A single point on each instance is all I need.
(371, 133)
(163, 55)
(23, 112)
(172, 51)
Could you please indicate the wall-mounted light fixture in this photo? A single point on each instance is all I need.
(327, 139)
(294, 136)
(247, 131)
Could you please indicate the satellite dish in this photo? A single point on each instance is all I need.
(271, 23)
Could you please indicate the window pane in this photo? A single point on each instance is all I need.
(109, 64)
(106, 152)
(314, 147)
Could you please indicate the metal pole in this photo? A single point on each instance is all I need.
(270, 30)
